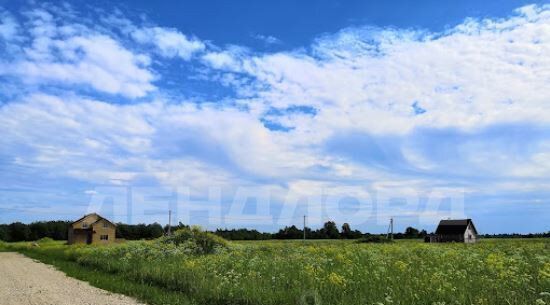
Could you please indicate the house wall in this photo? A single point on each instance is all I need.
(450, 237)
(70, 236)
(76, 238)
(84, 223)
(103, 227)
(470, 233)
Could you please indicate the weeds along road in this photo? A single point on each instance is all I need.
(24, 281)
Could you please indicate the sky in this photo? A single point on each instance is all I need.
(255, 113)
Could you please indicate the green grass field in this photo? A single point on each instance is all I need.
(327, 272)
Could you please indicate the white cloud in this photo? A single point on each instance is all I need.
(479, 73)
(268, 39)
(232, 58)
(362, 83)
(169, 42)
(74, 54)
(93, 136)
(97, 61)
(222, 61)
(8, 26)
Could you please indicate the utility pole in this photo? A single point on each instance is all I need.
(304, 227)
(391, 226)
(169, 223)
(390, 230)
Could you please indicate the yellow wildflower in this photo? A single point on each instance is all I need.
(337, 279)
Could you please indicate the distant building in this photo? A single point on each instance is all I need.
(91, 229)
(461, 230)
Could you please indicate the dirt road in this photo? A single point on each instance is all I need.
(24, 281)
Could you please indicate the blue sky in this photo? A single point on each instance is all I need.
(370, 109)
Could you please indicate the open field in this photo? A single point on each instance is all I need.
(293, 272)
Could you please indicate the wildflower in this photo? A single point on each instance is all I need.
(189, 264)
(545, 271)
(310, 270)
(402, 266)
(337, 279)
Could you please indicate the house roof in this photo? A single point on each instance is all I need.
(99, 217)
(455, 226)
(83, 217)
(103, 218)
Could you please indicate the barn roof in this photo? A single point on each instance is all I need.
(455, 226)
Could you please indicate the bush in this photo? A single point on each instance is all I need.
(194, 238)
(45, 240)
(374, 239)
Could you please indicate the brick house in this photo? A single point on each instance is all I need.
(91, 229)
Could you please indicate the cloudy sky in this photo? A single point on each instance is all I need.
(372, 109)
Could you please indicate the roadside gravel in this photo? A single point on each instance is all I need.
(24, 281)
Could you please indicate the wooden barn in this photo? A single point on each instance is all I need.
(91, 229)
(457, 230)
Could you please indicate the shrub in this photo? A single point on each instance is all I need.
(195, 239)
(374, 239)
(45, 240)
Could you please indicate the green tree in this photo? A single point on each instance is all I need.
(346, 230)
(4, 232)
(411, 232)
(330, 230)
(291, 232)
(18, 231)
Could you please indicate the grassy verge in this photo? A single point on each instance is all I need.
(112, 282)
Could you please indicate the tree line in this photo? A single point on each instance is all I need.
(329, 230)
(57, 230)
(18, 231)
(517, 235)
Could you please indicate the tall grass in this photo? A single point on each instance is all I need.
(274, 273)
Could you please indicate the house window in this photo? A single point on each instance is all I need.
(105, 225)
(84, 224)
(104, 237)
